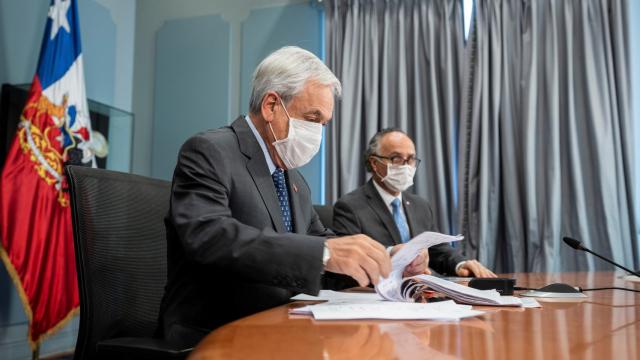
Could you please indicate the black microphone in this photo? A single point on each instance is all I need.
(576, 244)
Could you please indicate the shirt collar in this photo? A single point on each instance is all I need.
(386, 197)
(263, 145)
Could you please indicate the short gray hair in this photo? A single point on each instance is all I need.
(286, 71)
(374, 145)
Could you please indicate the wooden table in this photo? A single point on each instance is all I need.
(604, 326)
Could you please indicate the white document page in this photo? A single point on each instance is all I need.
(446, 310)
(330, 295)
(389, 288)
(530, 303)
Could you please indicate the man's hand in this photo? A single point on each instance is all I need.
(419, 265)
(474, 268)
(395, 249)
(360, 257)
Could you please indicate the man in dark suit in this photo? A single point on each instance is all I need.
(241, 230)
(383, 210)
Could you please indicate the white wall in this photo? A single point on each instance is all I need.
(193, 64)
(151, 16)
(123, 15)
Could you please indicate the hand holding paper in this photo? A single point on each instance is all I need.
(419, 265)
(390, 288)
(358, 256)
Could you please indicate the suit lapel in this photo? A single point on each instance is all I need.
(257, 168)
(380, 208)
(294, 183)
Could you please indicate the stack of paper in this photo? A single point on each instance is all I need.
(391, 287)
(332, 296)
(348, 310)
(395, 288)
(464, 294)
(399, 292)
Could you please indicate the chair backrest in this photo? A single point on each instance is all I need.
(325, 212)
(120, 247)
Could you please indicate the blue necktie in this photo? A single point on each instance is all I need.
(401, 223)
(283, 197)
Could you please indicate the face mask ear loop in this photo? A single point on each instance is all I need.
(388, 171)
(284, 108)
(376, 170)
(272, 133)
(288, 118)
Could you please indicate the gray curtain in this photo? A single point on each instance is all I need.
(546, 136)
(400, 63)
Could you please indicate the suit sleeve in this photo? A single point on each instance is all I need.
(443, 258)
(331, 280)
(209, 235)
(317, 228)
(345, 221)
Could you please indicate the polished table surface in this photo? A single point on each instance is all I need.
(606, 325)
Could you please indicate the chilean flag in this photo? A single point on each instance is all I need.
(35, 219)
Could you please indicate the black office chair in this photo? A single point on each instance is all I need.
(325, 212)
(121, 260)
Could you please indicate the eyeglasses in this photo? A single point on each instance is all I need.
(399, 160)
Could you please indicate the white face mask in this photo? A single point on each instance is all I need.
(399, 177)
(302, 143)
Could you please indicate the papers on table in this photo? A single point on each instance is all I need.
(391, 287)
(395, 288)
(399, 292)
(444, 311)
(362, 305)
(464, 294)
(370, 306)
(530, 303)
(330, 295)
(334, 297)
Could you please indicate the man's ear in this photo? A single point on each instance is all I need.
(372, 163)
(269, 102)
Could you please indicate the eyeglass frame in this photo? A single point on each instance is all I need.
(404, 161)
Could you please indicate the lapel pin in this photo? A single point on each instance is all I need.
(295, 188)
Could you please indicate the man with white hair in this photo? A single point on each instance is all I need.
(241, 230)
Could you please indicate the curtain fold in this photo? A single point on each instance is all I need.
(400, 63)
(529, 122)
(546, 137)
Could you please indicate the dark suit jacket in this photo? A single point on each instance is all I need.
(228, 253)
(364, 212)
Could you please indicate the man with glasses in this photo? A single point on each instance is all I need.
(382, 210)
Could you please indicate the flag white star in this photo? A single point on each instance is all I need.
(58, 15)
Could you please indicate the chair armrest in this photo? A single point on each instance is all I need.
(140, 348)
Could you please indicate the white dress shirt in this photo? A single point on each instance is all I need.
(263, 145)
(388, 199)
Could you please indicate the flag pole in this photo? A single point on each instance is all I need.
(35, 354)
